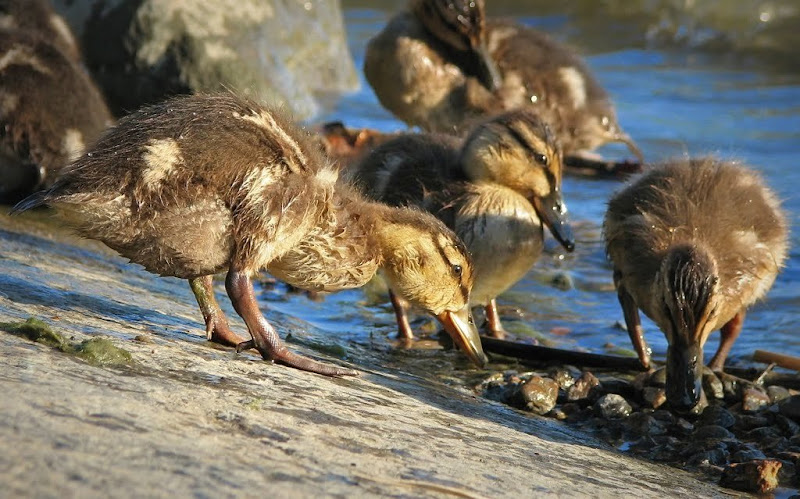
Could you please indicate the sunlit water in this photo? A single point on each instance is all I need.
(687, 99)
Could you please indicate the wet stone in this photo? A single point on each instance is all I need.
(755, 476)
(716, 457)
(582, 387)
(619, 386)
(654, 396)
(712, 432)
(558, 413)
(712, 386)
(613, 406)
(642, 424)
(747, 455)
(658, 378)
(787, 476)
(684, 427)
(745, 422)
(787, 426)
(540, 394)
(664, 416)
(730, 387)
(563, 377)
(791, 407)
(717, 415)
(754, 400)
(763, 433)
(777, 393)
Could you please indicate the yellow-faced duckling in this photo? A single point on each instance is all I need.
(496, 190)
(442, 63)
(50, 110)
(693, 244)
(201, 184)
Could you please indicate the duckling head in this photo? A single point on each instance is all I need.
(460, 24)
(518, 150)
(687, 289)
(428, 265)
(597, 125)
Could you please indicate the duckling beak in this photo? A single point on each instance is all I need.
(624, 138)
(684, 376)
(488, 73)
(461, 328)
(553, 213)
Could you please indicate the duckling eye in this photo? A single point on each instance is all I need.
(457, 270)
(540, 158)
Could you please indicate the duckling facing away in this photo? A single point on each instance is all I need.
(496, 190)
(442, 63)
(693, 244)
(50, 109)
(38, 17)
(201, 184)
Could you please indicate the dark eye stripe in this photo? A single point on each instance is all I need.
(465, 292)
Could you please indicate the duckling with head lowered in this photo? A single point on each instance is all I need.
(496, 189)
(442, 63)
(693, 243)
(201, 184)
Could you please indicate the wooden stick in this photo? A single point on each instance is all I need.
(546, 355)
(786, 361)
(600, 168)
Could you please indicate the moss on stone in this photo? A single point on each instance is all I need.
(38, 331)
(102, 352)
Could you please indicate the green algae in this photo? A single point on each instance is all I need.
(96, 351)
(102, 352)
(37, 331)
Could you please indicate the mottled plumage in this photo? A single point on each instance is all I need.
(201, 184)
(694, 243)
(422, 73)
(50, 110)
(496, 189)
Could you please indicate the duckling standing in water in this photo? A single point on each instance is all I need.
(496, 190)
(693, 244)
(50, 109)
(201, 184)
(442, 63)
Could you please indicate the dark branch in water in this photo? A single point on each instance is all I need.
(586, 167)
(546, 355)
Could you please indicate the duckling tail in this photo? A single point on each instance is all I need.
(33, 201)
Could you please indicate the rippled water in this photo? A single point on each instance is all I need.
(690, 77)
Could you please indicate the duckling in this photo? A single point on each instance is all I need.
(38, 17)
(693, 244)
(50, 110)
(201, 184)
(441, 64)
(496, 190)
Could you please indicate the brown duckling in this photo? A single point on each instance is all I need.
(496, 189)
(38, 17)
(50, 110)
(693, 244)
(442, 63)
(201, 184)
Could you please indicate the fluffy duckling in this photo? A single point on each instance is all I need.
(693, 244)
(496, 190)
(441, 63)
(50, 110)
(201, 184)
(38, 17)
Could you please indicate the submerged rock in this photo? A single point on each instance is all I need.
(140, 51)
(613, 406)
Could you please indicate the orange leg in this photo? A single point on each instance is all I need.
(217, 328)
(631, 312)
(493, 323)
(403, 327)
(728, 335)
(265, 338)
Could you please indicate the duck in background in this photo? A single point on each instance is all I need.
(50, 109)
(496, 189)
(693, 244)
(202, 184)
(441, 64)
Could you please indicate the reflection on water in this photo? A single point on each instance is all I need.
(659, 60)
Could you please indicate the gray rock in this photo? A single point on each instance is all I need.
(654, 396)
(717, 415)
(540, 394)
(613, 406)
(754, 399)
(284, 51)
(747, 455)
(712, 432)
(791, 407)
(563, 377)
(582, 387)
(777, 393)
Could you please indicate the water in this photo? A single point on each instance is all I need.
(685, 81)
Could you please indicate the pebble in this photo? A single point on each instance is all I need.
(658, 377)
(563, 377)
(582, 387)
(754, 400)
(789, 427)
(540, 394)
(747, 455)
(717, 415)
(777, 393)
(642, 424)
(790, 407)
(717, 457)
(613, 406)
(748, 422)
(654, 396)
(712, 432)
